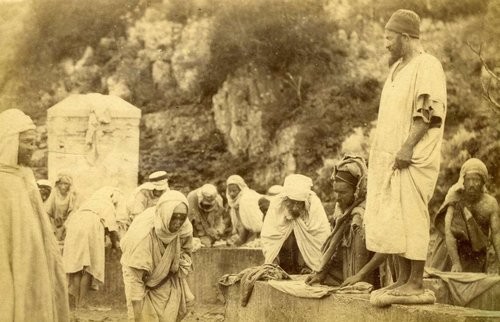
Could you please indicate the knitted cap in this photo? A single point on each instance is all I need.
(404, 22)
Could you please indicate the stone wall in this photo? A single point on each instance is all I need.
(209, 265)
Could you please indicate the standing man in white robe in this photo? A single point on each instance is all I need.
(32, 279)
(405, 155)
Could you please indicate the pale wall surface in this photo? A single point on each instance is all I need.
(112, 158)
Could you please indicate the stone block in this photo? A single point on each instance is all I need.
(489, 300)
(211, 263)
(269, 304)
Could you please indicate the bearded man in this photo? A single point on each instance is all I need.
(464, 221)
(405, 155)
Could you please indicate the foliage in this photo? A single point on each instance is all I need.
(326, 59)
(193, 163)
(272, 34)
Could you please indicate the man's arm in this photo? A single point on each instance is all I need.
(495, 229)
(417, 132)
(375, 261)
(451, 242)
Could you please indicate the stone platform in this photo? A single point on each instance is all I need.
(269, 304)
(489, 300)
(210, 264)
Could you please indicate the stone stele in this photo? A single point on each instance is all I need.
(95, 138)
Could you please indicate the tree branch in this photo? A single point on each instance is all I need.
(493, 77)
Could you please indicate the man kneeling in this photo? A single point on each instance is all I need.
(345, 257)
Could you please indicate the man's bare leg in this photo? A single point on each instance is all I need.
(404, 269)
(74, 289)
(414, 285)
(85, 281)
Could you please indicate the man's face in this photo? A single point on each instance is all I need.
(63, 187)
(233, 190)
(27, 145)
(394, 44)
(207, 202)
(44, 192)
(295, 208)
(178, 218)
(157, 193)
(345, 194)
(473, 186)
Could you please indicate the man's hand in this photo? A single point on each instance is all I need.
(352, 280)
(403, 157)
(456, 267)
(315, 278)
(213, 233)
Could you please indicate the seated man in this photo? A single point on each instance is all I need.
(206, 214)
(345, 257)
(464, 221)
(147, 194)
(246, 214)
(295, 227)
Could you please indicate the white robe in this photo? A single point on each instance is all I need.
(396, 216)
(310, 232)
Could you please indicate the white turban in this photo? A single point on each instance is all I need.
(297, 187)
(12, 122)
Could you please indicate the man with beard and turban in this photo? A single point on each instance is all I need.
(32, 280)
(206, 214)
(246, 215)
(464, 221)
(295, 227)
(405, 155)
(157, 259)
(345, 257)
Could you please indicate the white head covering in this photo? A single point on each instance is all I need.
(297, 187)
(157, 181)
(247, 202)
(240, 182)
(12, 122)
(208, 191)
(167, 202)
(275, 190)
(44, 183)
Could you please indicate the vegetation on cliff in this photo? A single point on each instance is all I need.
(322, 64)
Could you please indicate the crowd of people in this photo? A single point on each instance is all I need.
(379, 232)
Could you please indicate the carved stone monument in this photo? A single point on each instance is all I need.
(95, 138)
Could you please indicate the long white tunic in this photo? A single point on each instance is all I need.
(397, 217)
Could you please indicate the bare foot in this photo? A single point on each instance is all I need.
(407, 289)
(389, 287)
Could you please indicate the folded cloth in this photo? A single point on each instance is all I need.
(298, 288)
(249, 276)
(382, 299)
(464, 287)
(358, 288)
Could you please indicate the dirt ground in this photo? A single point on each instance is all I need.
(198, 312)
